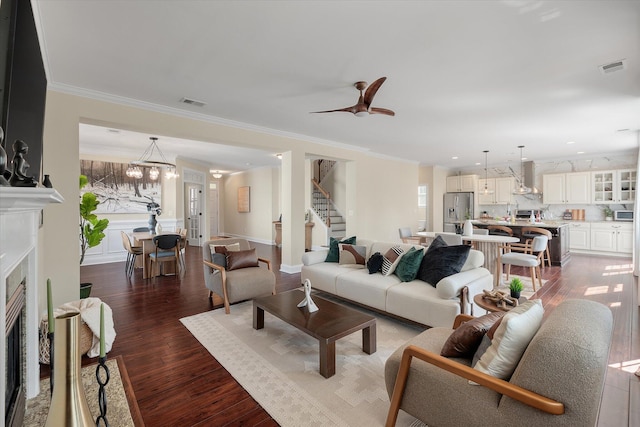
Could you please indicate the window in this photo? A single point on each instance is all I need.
(422, 196)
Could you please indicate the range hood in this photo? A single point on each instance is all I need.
(530, 177)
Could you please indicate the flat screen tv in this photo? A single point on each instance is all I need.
(23, 82)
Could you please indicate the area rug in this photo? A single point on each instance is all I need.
(526, 281)
(122, 408)
(278, 366)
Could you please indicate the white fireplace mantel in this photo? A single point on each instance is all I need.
(20, 214)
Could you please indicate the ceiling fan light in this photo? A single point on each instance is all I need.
(361, 113)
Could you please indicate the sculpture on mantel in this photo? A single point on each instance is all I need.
(3, 161)
(19, 176)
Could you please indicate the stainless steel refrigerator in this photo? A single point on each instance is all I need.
(457, 208)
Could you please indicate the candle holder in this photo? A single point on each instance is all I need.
(50, 336)
(103, 380)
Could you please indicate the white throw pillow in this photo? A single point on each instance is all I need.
(391, 259)
(511, 339)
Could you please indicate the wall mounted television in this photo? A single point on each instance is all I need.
(23, 82)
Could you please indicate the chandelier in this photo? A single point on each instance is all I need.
(486, 190)
(521, 189)
(135, 167)
(216, 174)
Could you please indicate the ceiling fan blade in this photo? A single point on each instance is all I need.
(372, 89)
(376, 110)
(346, 109)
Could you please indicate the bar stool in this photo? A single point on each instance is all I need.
(500, 230)
(531, 232)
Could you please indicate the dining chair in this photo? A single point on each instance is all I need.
(531, 232)
(167, 248)
(481, 231)
(537, 246)
(140, 229)
(450, 238)
(132, 253)
(183, 246)
(407, 236)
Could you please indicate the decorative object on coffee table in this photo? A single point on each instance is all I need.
(495, 300)
(515, 287)
(307, 301)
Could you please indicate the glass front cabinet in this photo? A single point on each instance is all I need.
(616, 186)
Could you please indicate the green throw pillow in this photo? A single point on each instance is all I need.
(334, 251)
(409, 264)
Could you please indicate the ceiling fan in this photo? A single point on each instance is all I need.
(363, 107)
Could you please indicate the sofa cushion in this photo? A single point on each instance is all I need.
(409, 263)
(368, 289)
(511, 339)
(352, 254)
(391, 259)
(241, 259)
(334, 251)
(464, 340)
(442, 261)
(375, 263)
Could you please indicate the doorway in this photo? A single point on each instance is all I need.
(193, 197)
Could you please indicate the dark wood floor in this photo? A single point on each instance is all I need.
(178, 383)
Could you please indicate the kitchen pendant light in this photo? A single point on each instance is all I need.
(521, 189)
(486, 190)
(134, 170)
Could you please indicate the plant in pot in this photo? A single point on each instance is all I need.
(91, 228)
(608, 213)
(515, 287)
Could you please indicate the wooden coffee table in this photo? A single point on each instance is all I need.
(330, 323)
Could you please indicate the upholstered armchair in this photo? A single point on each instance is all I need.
(558, 380)
(235, 273)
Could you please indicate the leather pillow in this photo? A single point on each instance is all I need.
(241, 259)
(464, 340)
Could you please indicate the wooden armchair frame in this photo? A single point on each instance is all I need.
(223, 276)
(520, 394)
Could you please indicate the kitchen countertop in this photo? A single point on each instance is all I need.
(522, 223)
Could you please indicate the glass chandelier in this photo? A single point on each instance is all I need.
(134, 170)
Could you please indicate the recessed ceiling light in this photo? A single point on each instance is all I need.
(478, 163)
(580, 152)
(454, 158)
(523, 159)
(279, 156)
(113, 130)
(571, 142)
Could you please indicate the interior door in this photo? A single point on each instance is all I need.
(193, 193)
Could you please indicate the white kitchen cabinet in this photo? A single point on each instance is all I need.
(580, 236)
(566, 188)
(614, 186)
(458, 183)
(612, 237)
(502, 191)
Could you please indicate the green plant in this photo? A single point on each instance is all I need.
(91, 228)
(608, 212)
(516, 285)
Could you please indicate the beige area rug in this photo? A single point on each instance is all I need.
(526, 280)
(122, 408)
(278, 366)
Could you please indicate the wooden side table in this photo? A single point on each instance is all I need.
(491, 306)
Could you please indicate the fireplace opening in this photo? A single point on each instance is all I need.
(14, 360)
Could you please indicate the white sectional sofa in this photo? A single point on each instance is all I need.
(416, 300)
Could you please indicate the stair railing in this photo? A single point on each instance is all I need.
(327, 196)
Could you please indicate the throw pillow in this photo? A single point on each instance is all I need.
(391, 259)
(219, 253)
(334, 252)
(511, 339)
(242, 259)
(409, 263)
(219, 259)
(352, 254)
(442, 261)
(464, 341)
(375, 263)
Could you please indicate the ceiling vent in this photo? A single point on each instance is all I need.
(612, 67)
(193, 102)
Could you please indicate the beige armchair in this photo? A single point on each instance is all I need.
(238, 284)
(557, 382)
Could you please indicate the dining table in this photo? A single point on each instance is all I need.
(490, 245)
(145, 239)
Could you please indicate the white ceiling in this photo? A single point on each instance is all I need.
(463, 76)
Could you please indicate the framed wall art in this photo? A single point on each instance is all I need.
(244, 199)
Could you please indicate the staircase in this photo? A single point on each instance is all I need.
(324, 208)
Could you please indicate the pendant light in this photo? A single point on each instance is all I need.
(146, 160)
(521, 189)
(486, 190)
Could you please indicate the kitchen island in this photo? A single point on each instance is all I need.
(558, 245)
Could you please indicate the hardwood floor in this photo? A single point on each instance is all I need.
(178, 383)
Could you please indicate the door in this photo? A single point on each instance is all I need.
(193, 196)
(213, 209)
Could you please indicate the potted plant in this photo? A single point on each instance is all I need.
(515, 287)
(91, 228)
(608, 213)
